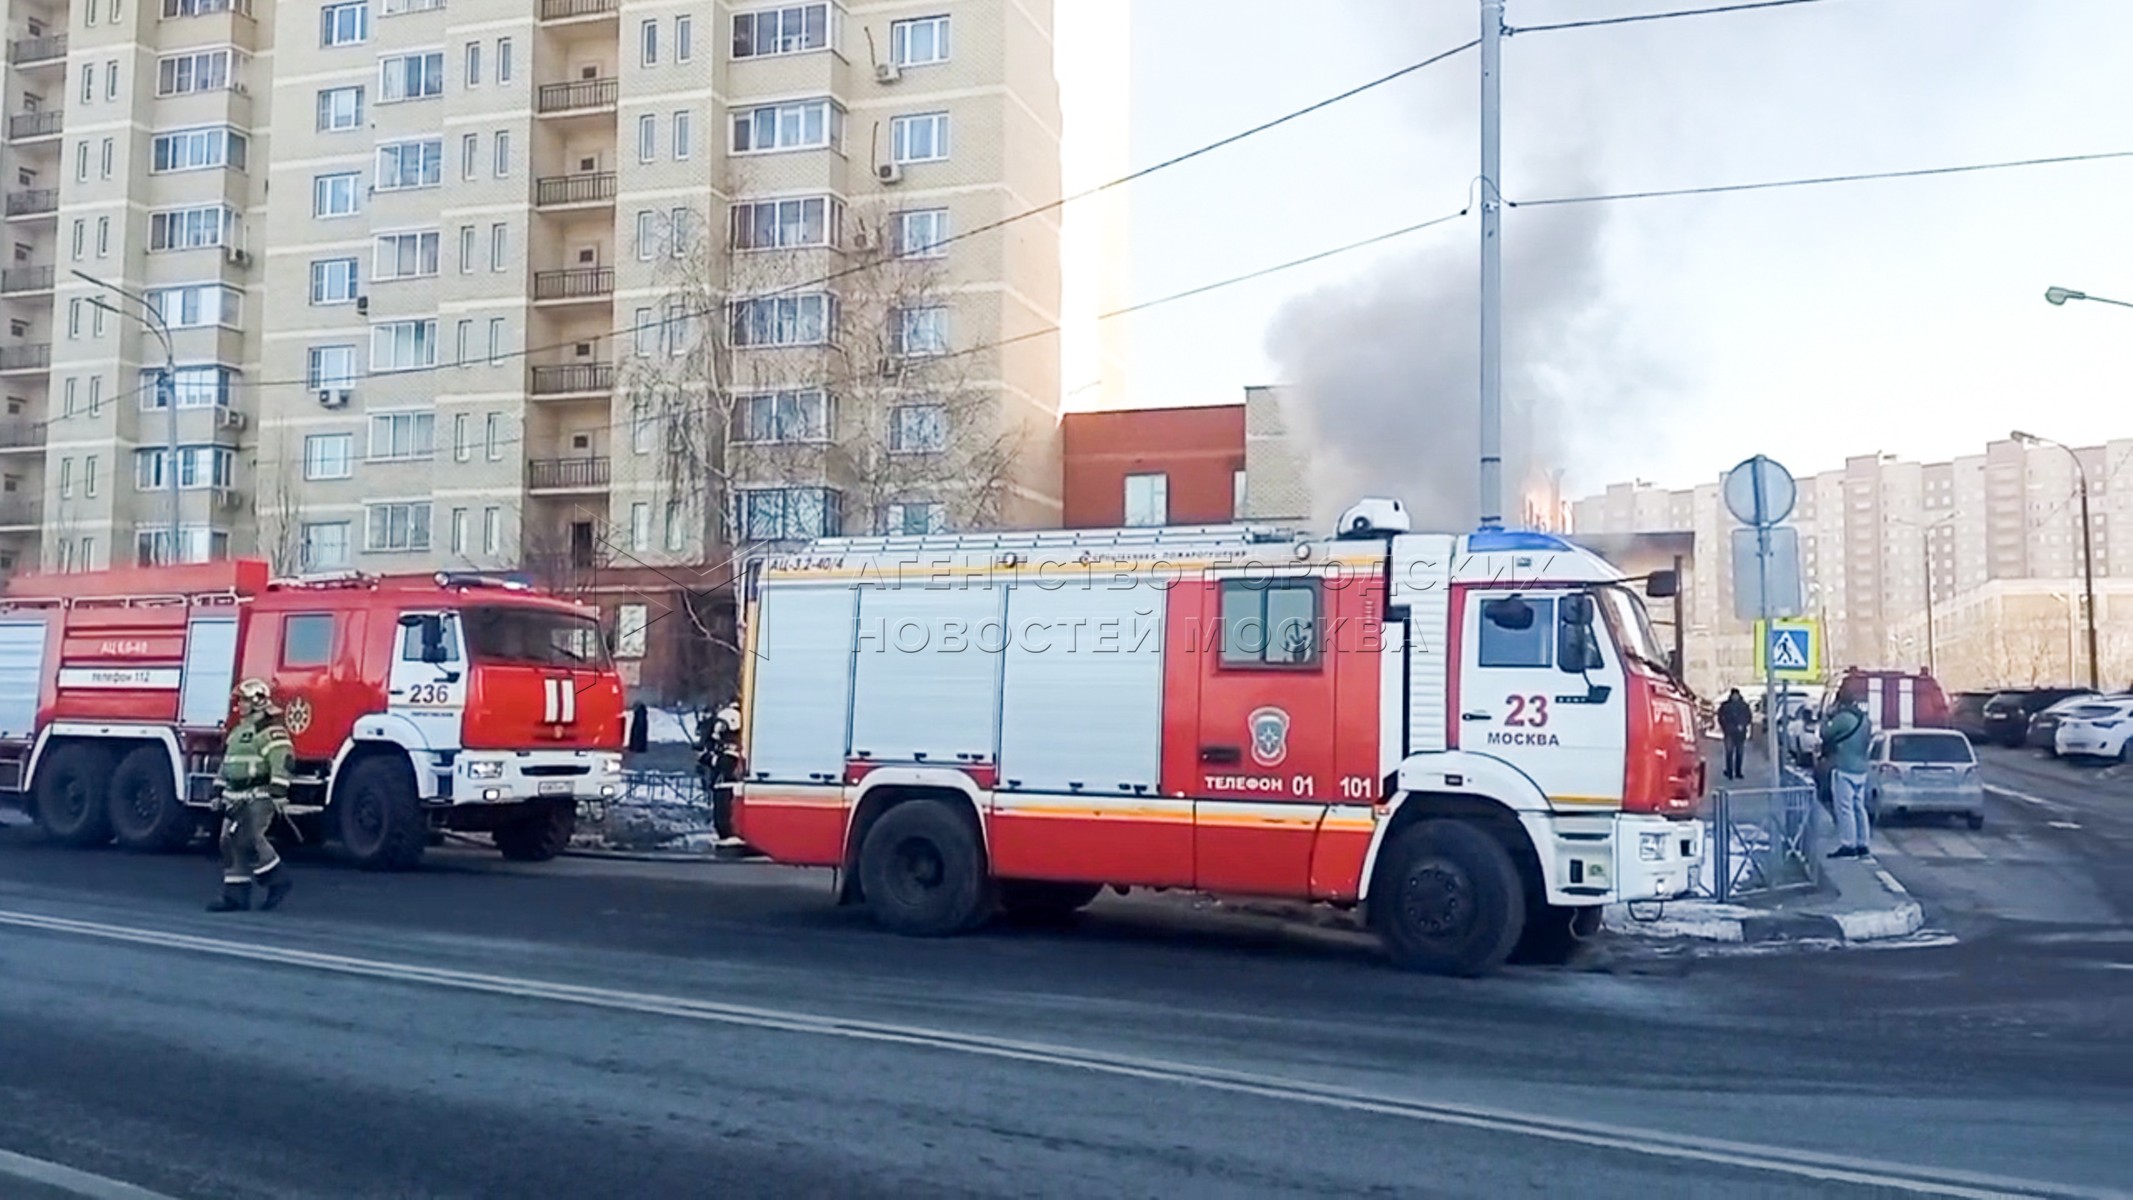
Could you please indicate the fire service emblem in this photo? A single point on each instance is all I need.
(1270, 736)
(298, 717)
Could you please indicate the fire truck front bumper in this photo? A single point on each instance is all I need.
(1655, 859)
(514, 777)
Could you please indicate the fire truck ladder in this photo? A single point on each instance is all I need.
(1177, 538)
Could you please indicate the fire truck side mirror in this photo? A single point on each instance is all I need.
(1577, 610)
(432, 626)
(1662, 585)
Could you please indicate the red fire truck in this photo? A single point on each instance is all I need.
(416, 704)
(1478, 738)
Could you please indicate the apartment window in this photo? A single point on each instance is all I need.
(330, 367)
(459, 531)
(417, 76)
(644, 330)
(640, 526)
(469, 155)
(81, 162)
(88, 476)
(198, 149)
(81, 239)
(71, 409)
(684, 39)
(66, 479)
(782, 514)
(403, 345)
(329, 455)
(921, 332)
(340, 109)
(804, 125)
(462, 447)
(398, 526)
(920, 138)
(104, 168)
(1148, 499)
(796, 416)
(197, 305)
(493, 436)
(111, 80)
(647, 236)
(499, 245)
(679, 222)
(677, 534)
(781, 224)
(88, 83)
(473, 64)
(918, 428)
(647, 138)
(465, 343)
(405, 255)
(196, 544)
(794, 29)
(103, 237)
(684, 141)
(199, 467)
(339, 195)
(344, 24)
(492, 530)
(916, 518)
(674, 328)
(194, 71)
(648, 44)
(323, 545)
(922, 233)
(415, 164)
(466, 249)
(918, 42)
(496, 341)
(503, 60)
(393, 8)
(96, 395)
(100, 313)
(333, 281)
(400, 436)
(783, 320)
(202, 8)
(640, 425)
(193, 387)
(74, 308)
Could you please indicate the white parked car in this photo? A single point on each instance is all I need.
(2098, 729)
(1924, 771)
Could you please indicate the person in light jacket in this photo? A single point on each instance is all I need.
(1845, 738)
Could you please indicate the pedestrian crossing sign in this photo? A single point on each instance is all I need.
(1789, 649)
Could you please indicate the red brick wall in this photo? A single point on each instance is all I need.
(1201, 449)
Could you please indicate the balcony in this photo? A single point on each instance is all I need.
(17, 280)
(570, 10)
(32, 202)
(20, 512)
(23, 52)
(566, 475)
(573, 379)
(575, 283)
(584, 95)
(35, 356)
(565, 191)
(21, 435)
(28, 127)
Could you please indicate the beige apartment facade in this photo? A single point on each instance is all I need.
(596, 288)
(1884, 538)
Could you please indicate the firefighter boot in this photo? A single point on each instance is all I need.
(278, 885)
(236, 897)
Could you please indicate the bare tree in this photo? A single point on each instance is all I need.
(278, 504)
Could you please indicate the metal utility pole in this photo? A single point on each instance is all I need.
(166, 394)
(1491, 264)
(2088, 542)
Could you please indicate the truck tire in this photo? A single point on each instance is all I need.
(380, 818)
(72, 786)
(541, 834)
(1554, 932)
(1041, 902)
(1447, 899)
(146, 813)
(922, 871)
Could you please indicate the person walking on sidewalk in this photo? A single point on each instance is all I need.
(254, 783)
(1845, 737)
(1733, 722)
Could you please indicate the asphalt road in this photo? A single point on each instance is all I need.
(600, 1028)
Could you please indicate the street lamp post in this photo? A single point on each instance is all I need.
(151, 319)
(2088, 540)
(2060, 295)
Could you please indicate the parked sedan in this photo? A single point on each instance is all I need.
(1967, 714)
(1924, 771)
(2099, 730)
(2007, 714)
(2044, 727)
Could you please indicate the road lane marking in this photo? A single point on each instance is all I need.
(2064, 824)
(71, 1181)
(1889, 881)
(2026, 798)
(1808, 1164)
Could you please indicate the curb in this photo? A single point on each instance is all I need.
(1895, 915)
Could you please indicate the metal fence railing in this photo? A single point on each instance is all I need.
(656, 810)
(1763, 839)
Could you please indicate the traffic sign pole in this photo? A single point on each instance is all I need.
(1762, 577)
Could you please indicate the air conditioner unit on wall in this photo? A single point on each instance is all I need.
(334, 397)
(229, 498)
(890, 172)
(230, 418)
(236, 257)
(887, 72)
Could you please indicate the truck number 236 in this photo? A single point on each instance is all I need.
(1527, 712)
(429, 693)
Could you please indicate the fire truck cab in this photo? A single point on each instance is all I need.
(416, 704)
(1477, 738)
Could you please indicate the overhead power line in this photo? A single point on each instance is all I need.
(1638, 18)
(1818, 180)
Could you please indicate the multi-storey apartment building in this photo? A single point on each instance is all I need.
(568, 284)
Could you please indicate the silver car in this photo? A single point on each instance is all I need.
(1924, 771)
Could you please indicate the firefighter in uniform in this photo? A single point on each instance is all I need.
(254, 783)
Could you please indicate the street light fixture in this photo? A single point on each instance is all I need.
(151, 319)
(2088, 542)
(2060, 295)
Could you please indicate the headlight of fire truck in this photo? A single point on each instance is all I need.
(489, 769)
(607, 764)
(1651, 847)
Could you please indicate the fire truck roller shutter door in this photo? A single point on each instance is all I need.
(22, 675)
(210, 668)
(803, 684)
(926, 680)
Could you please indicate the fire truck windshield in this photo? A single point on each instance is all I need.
(1632, 627)
(532, 637)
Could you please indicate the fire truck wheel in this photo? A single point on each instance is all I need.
(71, 791)
(1447, 899)
(381, 823)
(1032, 901)
(1554, 932)
(145, 811)
(541, 835)
(922, 871)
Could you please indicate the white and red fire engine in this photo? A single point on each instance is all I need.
(415, 704)
(1476, 737)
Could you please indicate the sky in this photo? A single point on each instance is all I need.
(1659, 339)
